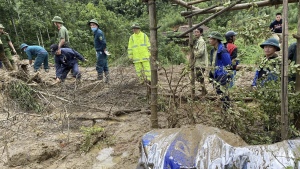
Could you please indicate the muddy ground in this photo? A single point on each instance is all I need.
(53, 139)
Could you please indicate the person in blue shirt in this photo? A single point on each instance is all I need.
(66, 60)
(101, 53)
(263, 73)
(38, 54)
(219, 61)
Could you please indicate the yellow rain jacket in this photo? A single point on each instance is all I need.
(138, 47)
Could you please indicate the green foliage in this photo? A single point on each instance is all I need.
(89, 132)
(170, 53)
(24, 96)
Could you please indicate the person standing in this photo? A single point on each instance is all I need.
(263, 73)
(100, 46)
(201, 58)
(7, 44)
(38, 54)
(65, 61)
(63, 34)
(138, 52)
(219, 60)
(276, 27)
(292, 56)
(4, 59)
(230, 37)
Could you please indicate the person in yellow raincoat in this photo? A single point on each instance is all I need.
(138, 52)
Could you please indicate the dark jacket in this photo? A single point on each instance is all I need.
(276, 26)
(263, 71)
(222, 60)
(99, 40)
(66, 60)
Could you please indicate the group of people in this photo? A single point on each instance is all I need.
(66, 58)
(222, 61)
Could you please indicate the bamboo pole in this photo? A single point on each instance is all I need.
(297, 87)
(239, 6)
(196, 2)
(184, 4)
(284, 76)
(298, 50)
(201, 12)
(154, 52)
(210, 18)
(191, 60)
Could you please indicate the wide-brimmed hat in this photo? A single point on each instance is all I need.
(1, 26)
(93, 21)
(23, 45)
(53, 48)
(57, 19)
(215, 35)
(271, 42)
(135, 26)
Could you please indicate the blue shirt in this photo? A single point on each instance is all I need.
(33, 51)
(221, 61)
(99, 40)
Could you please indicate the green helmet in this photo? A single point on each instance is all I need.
(216, 35)
(93, 21)
(271, 42)
(1, 26)
(57, 19)
(135, 26)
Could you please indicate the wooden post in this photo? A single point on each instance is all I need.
(298, 51)
(153, 59)
(191, 60)
(284, 76)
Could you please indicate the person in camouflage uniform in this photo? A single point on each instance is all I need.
(4, 59)
(7, 44)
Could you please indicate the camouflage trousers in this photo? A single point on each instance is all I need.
(4, 59)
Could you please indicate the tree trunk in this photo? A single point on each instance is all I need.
(154, 52)
(37, 36)
(41, 38)
(284, 76)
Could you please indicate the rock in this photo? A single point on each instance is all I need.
(23, 153)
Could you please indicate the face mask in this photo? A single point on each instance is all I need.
(94, 29)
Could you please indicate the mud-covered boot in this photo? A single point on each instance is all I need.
(106, 80)
(100, 76)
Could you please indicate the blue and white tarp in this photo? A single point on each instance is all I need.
(202, 147)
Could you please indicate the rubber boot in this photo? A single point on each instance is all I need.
(100, 76)
(106, 80)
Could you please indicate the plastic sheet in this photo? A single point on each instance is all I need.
(202, 147)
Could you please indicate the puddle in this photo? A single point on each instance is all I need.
(104, 159)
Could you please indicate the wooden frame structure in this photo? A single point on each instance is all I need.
(218, 10)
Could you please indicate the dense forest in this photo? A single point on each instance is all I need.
(29, 21)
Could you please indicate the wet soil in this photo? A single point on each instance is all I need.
(54, 139)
